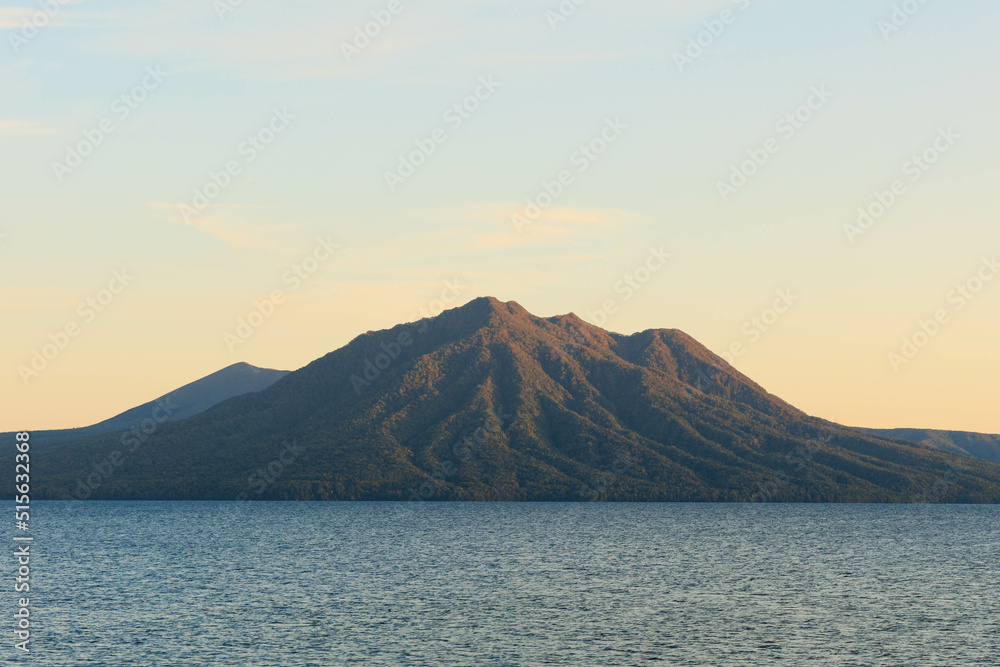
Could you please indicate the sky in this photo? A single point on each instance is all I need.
(808, 188)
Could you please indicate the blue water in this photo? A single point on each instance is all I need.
(133, 583)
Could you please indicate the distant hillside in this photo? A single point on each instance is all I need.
(187, 401)
(979, 445)
(196, 397)
(489, 402)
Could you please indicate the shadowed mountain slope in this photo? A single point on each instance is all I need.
(488, 402)
(187, 401)
(197, 396)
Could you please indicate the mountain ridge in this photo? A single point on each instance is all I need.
(185, 401)
(977, 445)
(489, 402)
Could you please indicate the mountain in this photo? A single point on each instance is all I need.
(196, 397)
(187, 401)
(488, 402)
(978, 445)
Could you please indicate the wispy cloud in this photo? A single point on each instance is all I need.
(221, 224)
(271, 42)
(500, 213)
(12, 17)
(24, 127)
(489, 226)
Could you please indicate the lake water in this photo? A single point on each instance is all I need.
(173, 583)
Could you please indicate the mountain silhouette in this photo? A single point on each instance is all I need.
(196, 397)
(181, 403)
(489, 402)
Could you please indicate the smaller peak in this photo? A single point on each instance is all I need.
(239, 366)
(569, 319)
(489, 304)
(243, 368)
(487, 301)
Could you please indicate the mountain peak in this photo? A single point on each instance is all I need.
(490, 304)
(486, 311)
(489, 402)
(196, 397)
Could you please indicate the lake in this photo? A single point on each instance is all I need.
(214, 583)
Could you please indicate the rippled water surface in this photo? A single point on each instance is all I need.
(294, 584)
